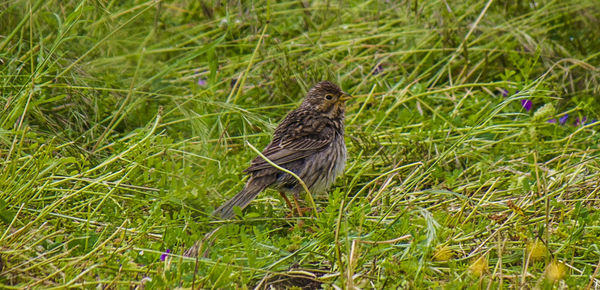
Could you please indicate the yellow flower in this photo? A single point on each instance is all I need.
(479, 267)
(536, 250)
(443, 253)
(555, 271)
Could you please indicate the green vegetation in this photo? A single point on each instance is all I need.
(124, 124)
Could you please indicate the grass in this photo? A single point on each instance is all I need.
(124, 124)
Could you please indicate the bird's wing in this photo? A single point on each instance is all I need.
(294, 139)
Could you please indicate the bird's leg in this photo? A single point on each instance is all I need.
(298, 208)
(287, 201)
(293, 208)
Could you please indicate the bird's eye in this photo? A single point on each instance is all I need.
(329, 97)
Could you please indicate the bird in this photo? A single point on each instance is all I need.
(308, 142)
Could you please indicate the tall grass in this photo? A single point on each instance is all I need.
(124, 124)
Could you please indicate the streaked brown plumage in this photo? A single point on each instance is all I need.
(308, 142)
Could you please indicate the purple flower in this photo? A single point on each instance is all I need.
(584, 121)
(562, 120)
(504, 92)
(165, 255)
(553, 121)
(580, 122)
(378, 69)
(526, 104)
(201, 82)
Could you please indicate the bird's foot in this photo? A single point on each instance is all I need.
(299, 212)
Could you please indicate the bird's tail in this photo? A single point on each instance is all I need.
(242, 199)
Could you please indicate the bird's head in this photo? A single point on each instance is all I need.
(326, 98)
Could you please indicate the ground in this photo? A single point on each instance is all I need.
(472, 142)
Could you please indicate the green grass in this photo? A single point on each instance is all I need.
(112, 152)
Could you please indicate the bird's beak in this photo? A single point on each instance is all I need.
(345, 96)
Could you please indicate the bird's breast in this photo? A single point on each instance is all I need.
(324, 167)
(340, 158)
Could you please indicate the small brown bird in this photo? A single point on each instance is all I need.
(309, 142)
